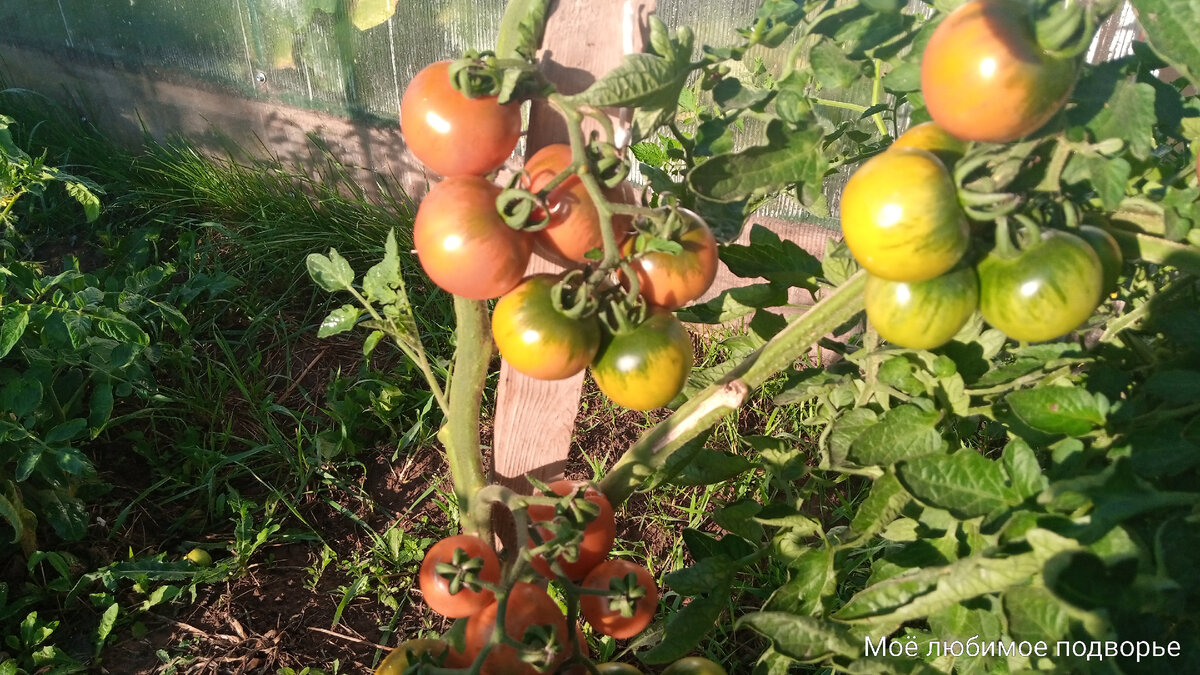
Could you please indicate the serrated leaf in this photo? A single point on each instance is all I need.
(738, 518)
(522, 28)
(789, 156)
(1174, 32)
(1059, 410)
(731, 94)
(803, 638)
(734, 303)
(772, 258)
(833, 70)
(1109, 177)
(340, 320)
(1035, 614)
(331, 273)
(647, 81)
(885, 501)
(650, 153)
(1024, 471)
(966, 483)
(710, 466)
(705, 575)
(846, 430)
(903, 432)
(14, 319)
(688, 627)
(812, 577)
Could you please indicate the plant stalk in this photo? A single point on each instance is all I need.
(461, 433)
(726, 395)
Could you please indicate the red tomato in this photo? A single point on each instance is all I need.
(574, 227)
(620, 616)
(598, 535)
(462, 242)
(452, 134)
(539, 340)
(458, 602)
(528, 606)
(984, 77)
(672, 281)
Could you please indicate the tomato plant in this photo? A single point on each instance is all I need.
(574, 227)
(598, 533)
(645, 366)
(922, 314)
(1046, 290)
(672, 280)
(900, 216)
(528, 607)
(452, 134)
(451, 572)
(631, 606)
(462, 242)
(539, 339)
(985, 78)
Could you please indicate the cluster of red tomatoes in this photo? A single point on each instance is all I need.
(984, 79)
(461, 576)
(466, 248)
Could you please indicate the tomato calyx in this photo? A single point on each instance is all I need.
(481, 73)
(573, 296)
(522, 210)
(562, 536)
(1063, 29)
(462, 572)
(624, 594)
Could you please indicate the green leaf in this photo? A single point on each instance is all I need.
(1129, 114)
(522, 28)
(789, 157)
(331, 273)
(731, 94)
(737, 518)
(86, 198)
(650, 153)
(1174, 31)
(1178, 387)
(1059, 410)
(688, 627)
(966, 483)
(27, 463)
(710, 466)
(812, 578)
(12, 515)
(846, 430)
(384, 285)
(833, 70)
(885, 501)
(702, 577)
(340, 320)
(734, 303)
(21, 395)
(372, 342)
(65, 514)
(100, 405)
(108, 620)
(903, 432)
(1024, 471)
(66, 431)
(367, 14)
(771, 258)
(803, 638)
(1109, 177)
(1035, 614)
(14, 319)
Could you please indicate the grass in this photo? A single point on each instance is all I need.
(304, 470)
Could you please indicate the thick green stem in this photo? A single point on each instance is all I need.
(1150, 248)
(726, 395)
(461, 433)
(877, 96)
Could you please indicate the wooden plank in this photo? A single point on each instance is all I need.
(535, 419)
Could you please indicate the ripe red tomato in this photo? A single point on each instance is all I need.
(672, 281)
(1042, 292)
(462, 242)
(598, 535)
(932, 138)
(452, 134)
(694, 665)
(528, 606)
(647, 366)
(447, 598)
(539, 340)
(984, 77)
(574, 227)
(901, 218)
(922, 314)
(607, 613)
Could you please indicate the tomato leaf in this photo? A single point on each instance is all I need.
(901, 433)
(788, 157)
(1174, 32)
(1035, 614)
(731, 94)
(803, 638)
(522, 28)
(834, 71)
(772, 258)
(966, 483)
(689, 625)
(1024, 472)
(1059, 410)
(711, 466)
(702, 577)
(885, 501)
(331, 273)
(14, 319)
(812, 579)
(734, 303)
(383, 284)
(339, 320)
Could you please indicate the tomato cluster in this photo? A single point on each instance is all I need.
(984, 79)
(461, 576)
(545, 326)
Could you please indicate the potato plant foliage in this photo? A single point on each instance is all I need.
(1014, 492)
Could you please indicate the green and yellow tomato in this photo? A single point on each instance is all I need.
(984, 77)
(922, 314)
(1109, 252)
(538, 339)
(694, 665)
(1042, 292)
(645, 367)
(901, 218)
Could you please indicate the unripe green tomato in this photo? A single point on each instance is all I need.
(1043, 292)
(199, 557)
(694, 665)
(539, 340)
(922, 314)
(1109, 252)
(647, 366)
(614, 668)
(901, 217)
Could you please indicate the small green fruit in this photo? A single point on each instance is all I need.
(199, 557)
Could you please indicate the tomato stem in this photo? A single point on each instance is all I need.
(726, 395)
(876, 97)
(460, 436)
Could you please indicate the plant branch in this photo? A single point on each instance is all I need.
(702, 411)
(461, 433)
